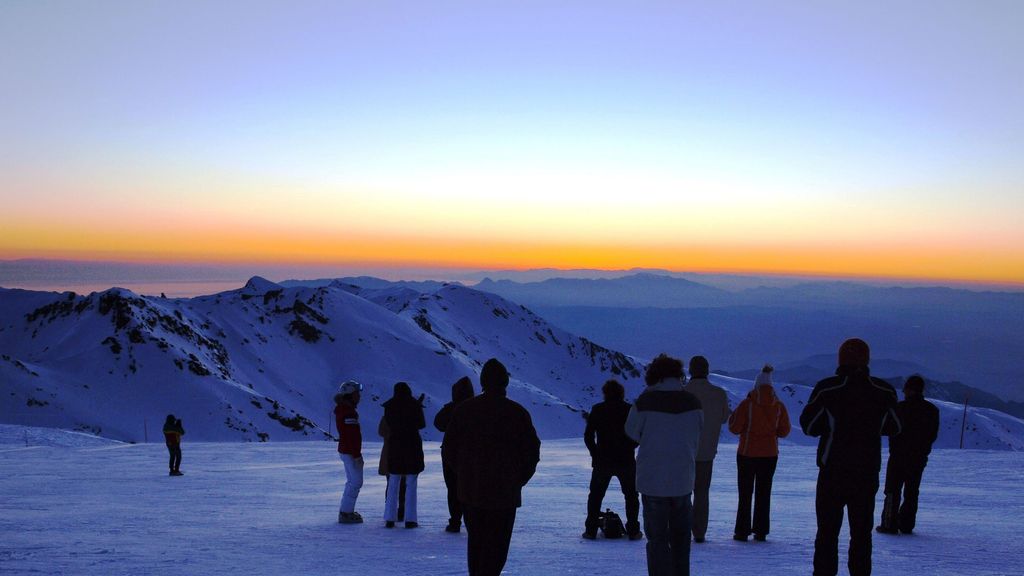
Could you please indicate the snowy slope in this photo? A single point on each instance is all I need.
(263, 362)
(271, 509)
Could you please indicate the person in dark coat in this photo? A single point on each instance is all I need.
(461, 390)
(403, 416)
(493, 447)
(849, 413)
(611, 456)
(382, 467)
(908, 455)
(173, 431)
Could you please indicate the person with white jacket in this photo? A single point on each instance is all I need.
(666, 423)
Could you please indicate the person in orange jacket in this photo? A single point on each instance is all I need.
(760, 420)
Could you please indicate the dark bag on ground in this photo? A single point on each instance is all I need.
(611, 525)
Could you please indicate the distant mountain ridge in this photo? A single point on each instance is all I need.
(264, 361)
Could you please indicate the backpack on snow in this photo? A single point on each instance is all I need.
(611, 525)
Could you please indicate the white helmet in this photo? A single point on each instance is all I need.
(350, 387)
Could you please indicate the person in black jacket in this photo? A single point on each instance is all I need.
(849, 412)
(493, 447)
(403, 415)
(611, 455)
(461, 390)
(908, 455)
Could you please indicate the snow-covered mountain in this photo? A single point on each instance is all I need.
(264, 361)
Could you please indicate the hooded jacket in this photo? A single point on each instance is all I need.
(760, 420)
(849, 413)
(461, 390)
(666, 422)
(403, 416)
(715, 403)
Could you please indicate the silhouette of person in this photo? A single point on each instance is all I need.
(173, 431)
(849, 413)
(403, 415)
(461, 390)
(493, 447)
(666, 422)
(715, 406)
(611, 456)
(908, 455)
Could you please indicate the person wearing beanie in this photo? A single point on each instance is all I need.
(462, 390)
(611, 456)
(493, 447)
(403, 416)
(908, 455)
(666, 422)
(759, 420)
(350, 448)
(173, 431)
(715, 405)
(849, 413)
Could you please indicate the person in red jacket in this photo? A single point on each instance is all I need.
(350, 448)
(760, 420)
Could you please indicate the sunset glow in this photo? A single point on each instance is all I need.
(790, 139)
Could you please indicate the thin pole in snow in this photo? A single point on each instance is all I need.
(145, 430)
(330, 426)
(963, 421)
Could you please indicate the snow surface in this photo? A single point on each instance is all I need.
(271, 508)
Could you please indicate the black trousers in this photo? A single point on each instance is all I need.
(856, 493)
(902, 479)
(489, 535)
(175, 461)
(599, 480)
(754, 479)
(454, 506)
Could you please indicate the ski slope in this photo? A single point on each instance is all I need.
(108, 508)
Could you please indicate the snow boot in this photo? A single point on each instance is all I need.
(639, 535)
(349, 518)
(760, 537)
(589, 534)
(412, 525)
(389, 524)
(453, 527)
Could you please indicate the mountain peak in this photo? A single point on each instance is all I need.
(260, 285)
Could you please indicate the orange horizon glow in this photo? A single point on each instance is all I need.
(980, 265)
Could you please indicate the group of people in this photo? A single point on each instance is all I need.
(489, 452)
(661, 449)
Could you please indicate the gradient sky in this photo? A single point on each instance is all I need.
(782, 137)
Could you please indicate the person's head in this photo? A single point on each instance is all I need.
(493, 376)
(854, 353)
(699, 367)
(349, 392)
(462, 389)
(663, 367)
(913, 387)
(170, 419)
(613, 390)
(764, 378)
(402, 390)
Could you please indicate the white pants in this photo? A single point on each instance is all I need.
(353, 482)
(391, 500)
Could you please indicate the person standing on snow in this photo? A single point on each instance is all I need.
(849, 413)
(382, 467)
(666, 422)
(173, 431)
(611, 455)
(759, 420)
(908, 455)
(403, 416)
(493, 447)
(461, 390)
(715, 406)
(350, 448)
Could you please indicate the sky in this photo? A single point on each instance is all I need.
(872, 140)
